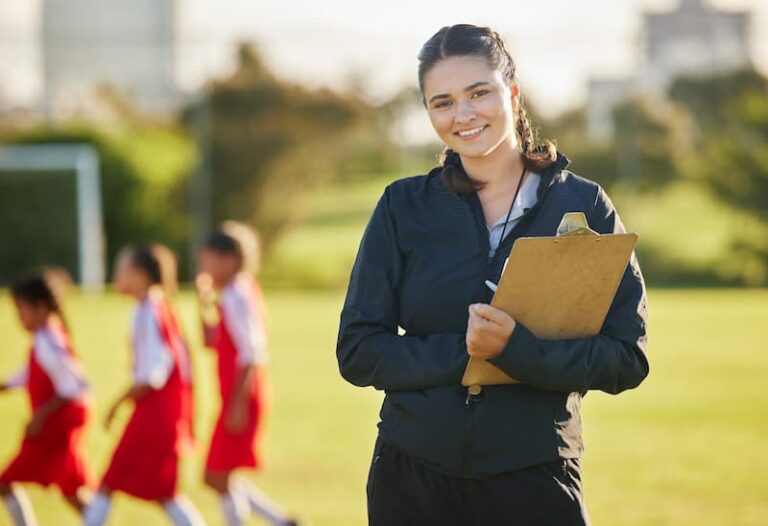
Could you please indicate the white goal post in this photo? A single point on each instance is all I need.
(83, 160)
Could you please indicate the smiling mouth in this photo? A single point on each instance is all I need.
(471, 133)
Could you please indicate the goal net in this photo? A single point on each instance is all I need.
(51, 211)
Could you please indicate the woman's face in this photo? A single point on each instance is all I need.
(470, 105)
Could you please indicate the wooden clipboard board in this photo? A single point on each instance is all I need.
(558, 287)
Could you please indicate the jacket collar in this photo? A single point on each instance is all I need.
(552, 174)
(548, 176)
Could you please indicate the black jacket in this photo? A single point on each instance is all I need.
(422, 260)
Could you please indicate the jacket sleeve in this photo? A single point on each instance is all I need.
(369, 349)
(612, 361)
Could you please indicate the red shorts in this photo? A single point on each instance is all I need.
(145, 462)
(230, 451)
(53, 457)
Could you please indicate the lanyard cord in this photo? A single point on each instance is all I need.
(512, 204)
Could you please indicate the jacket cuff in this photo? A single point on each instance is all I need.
(515, 357)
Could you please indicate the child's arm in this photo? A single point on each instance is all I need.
(133, 393)
(65, 375)
(153, 362)
(42, 413)
(206, 298)
(249, 338)
(17, 380)
(237, 416)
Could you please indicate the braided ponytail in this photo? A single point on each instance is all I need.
(466, 39)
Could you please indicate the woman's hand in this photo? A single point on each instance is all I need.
(488, 331)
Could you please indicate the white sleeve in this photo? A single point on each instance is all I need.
(64, 372)
(152, 360)
(247, 332)
(19, 379)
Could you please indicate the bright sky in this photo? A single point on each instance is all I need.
(558, 44)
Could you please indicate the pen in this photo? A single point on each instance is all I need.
(491, 285)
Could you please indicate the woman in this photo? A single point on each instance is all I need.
(509, 455)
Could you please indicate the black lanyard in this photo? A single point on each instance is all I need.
(511, 205)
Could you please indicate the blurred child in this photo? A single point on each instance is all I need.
(237, 333)
(145, 462)
(51, 451)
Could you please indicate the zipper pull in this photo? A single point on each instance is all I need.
(473, 391)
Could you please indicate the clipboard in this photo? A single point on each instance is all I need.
(558, 287)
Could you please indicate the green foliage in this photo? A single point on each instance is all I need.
(267, 142)
(39, 223)
(732, 151)
(143, 168)
(652, 140)
(701, 155)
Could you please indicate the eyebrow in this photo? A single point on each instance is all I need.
(468, 88)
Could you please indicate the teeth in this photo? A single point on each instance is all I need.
(470, 133)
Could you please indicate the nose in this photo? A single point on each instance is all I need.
(464, 112)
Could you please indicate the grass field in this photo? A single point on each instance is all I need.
(687, 447)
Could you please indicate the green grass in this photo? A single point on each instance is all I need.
(687, 447)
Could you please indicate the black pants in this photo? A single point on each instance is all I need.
(405, 492)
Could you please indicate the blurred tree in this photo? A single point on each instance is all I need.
(731, 116)
(142, 167)
(653, 139)
(265, 142)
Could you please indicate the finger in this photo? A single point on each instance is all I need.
(493, 314)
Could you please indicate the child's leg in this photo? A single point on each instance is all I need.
(18, 505)
(260, 503)
(182, 512)
(79, 500)
(235, 510)
(95, 513)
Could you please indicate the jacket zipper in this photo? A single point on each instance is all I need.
(471, 399)
(469, 405)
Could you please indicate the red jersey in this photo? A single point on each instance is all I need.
(240, 341)
(145, 462)
(54, 456)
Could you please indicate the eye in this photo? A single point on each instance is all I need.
(480, 93)
(442, 104)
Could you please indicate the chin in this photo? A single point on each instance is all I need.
(474, 151)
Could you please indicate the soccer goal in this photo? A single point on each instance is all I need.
(83, 161)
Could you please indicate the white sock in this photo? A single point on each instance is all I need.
(19, 508)
(96, 511)
(233, 508)
(182, 512)
(260, 503)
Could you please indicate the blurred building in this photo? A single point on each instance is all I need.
(694, 39)
(126, 45)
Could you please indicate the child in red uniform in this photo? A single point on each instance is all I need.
(239, 338)
(50, 453)
(145, 462)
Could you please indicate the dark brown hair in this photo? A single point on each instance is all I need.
(463, 40)
(39, 288)
(237, 239)
(157, 262)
